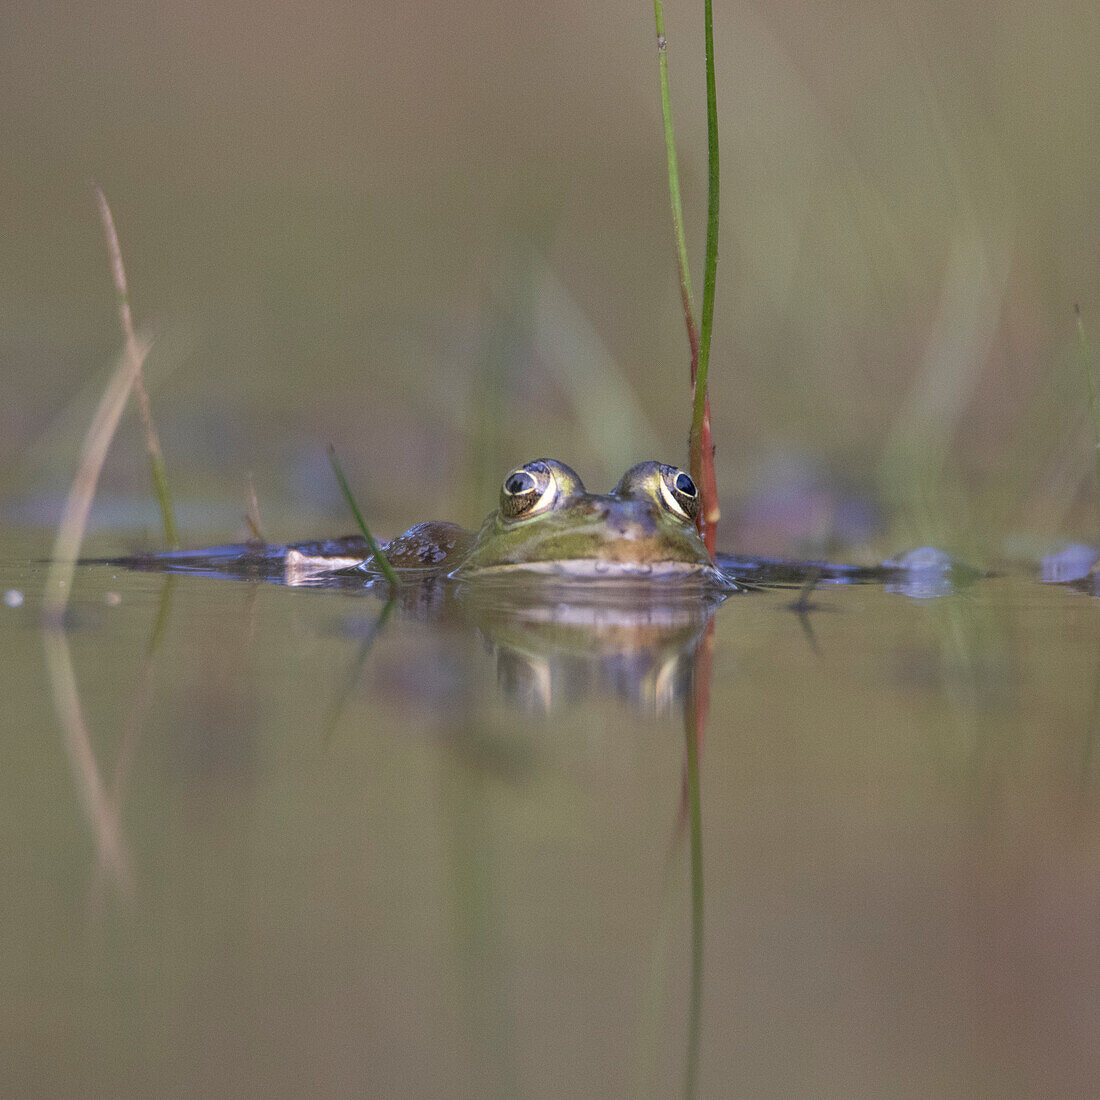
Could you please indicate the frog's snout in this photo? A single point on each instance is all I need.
(630, 521)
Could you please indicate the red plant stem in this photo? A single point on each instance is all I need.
(701, 451)
(710, 513)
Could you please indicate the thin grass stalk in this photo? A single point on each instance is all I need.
(701, 450)
(152, 440)
(375, 549)
(1089, 368)
(687, 297)
(74, 516)
(355, 673)
(695, 1004)
(102, 815)
(252, 516)
(696, 708)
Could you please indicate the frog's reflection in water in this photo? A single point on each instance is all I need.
(559, 643)
(558, 649)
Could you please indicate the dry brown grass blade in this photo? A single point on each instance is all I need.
(252, 516)
(103, 817)
(137, 357)
(74, 518)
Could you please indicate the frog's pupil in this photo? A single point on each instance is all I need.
(519, 483)
(685, 485)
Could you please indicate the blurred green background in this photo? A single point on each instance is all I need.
(437, 235)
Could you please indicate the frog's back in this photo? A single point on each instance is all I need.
(435, 545)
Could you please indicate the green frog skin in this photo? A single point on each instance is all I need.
(548, 523)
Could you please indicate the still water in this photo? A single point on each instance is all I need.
(277, 841)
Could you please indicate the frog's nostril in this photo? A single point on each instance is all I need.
(631, 527)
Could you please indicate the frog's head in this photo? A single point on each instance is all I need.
(548, 522)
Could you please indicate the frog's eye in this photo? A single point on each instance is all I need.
(684, 484)
(679, 493)
(668, 486)
(527, 491)
(520, 482)
(537, 487)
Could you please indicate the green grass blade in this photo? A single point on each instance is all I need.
(164, 498)
(157, 471)
(710, 265)
(675, 203)
(375, 549)
(700, 451)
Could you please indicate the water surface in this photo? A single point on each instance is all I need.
(299, 852)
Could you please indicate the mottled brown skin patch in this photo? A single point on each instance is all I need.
(433, 545)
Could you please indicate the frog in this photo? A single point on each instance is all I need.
(547, 523)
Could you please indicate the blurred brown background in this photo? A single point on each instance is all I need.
(437, 235)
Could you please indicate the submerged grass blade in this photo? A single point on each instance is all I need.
(376, 550)
(354, 673)
(695, 1003)
(141, 699)
(696, 709)
(1089, 367)
(101, 813)
(152, 440)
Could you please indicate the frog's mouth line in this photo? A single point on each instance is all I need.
(597, 569)
(302, 567)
